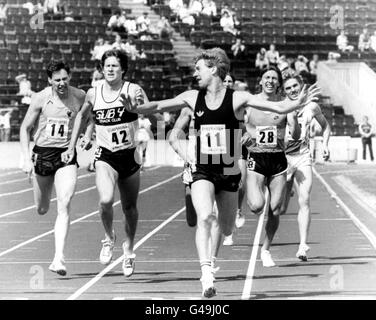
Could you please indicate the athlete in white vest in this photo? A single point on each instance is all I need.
(299, 160)
(113, 107)
(52, 112)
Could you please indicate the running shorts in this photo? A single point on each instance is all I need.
(48, 160)
(268, 164)
(297, 161)
(123, 161)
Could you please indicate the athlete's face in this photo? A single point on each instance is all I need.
(112, 70)
(228, 82)
(203, 74)
(270, 82)
(60, 81)
(292, 88)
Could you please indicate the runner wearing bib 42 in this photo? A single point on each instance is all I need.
(116, 129)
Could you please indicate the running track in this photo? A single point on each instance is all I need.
(342, 262)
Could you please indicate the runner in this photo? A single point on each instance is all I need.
(53, 111)
(116, 158)
(300, 162)
(217, 114)
(187, 153)
(267, 164)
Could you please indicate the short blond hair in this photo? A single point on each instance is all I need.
(216, 57)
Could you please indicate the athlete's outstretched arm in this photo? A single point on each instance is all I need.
(27, 125)
(81, 118)
(318, 115)
(180, 124)
(292, 122)
(285, 106)
(185, 99)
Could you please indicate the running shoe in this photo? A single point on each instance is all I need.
(128, 265)
(266, 259)
(302, 252)
(228, 241)
(240, 219)
(107, 251)
(208, 289)
(58, 267)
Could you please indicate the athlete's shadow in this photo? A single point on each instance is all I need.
(108, 275)
(317, 261)
(294, 294)
(305, 275)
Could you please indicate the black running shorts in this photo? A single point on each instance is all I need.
(48, 160)
(221, 182)
(124, 161)
(268, 164)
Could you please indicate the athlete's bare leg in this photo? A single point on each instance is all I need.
(256, 184)
(65, 185)
(106, 178)
(129, 189)
(42, 192)
(303, 182)
(277, 189)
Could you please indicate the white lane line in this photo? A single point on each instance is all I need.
(13, 181)
(82, 218)
(100, 275)
(361, 226)
(33, 206)
(31, 189)
(365, 170)
(361, 197)
(246, 295)
(11, 173)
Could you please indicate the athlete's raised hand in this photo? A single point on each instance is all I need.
(308, 95)
(126, 101)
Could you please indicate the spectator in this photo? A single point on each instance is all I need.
(131, 50)
(373, 41)
(238, 49)
(195, 7)
(131, 26)
(301, 65)
(185, 15)
(143, 22)
(3, 12)
(226, 8)
(24, 88)
(365, 130)
(261, 62)
(313, 64)
(272, 55)
(176, 5)
(209, 8)
(364, 41)
(164, 29)
(97, 77)
(99, 49)
(5, 126)
(33, 7)
(343, 43)
(118, 44)
(51, 6)
(116, 22)
(227, 23)
(333, 57)
(229, 81)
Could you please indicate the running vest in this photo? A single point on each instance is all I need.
(55, 123)
(267, 130)
(218, 134)
(302, 145)
(115, 126)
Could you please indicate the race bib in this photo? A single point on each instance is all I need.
(266, 136)
(213, 139)
(120, 136)
(57, 129)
